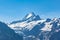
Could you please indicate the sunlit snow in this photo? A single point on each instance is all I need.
(29, 15)
(29, 25)
(47, 27)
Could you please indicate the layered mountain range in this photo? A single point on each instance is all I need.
(32, 27)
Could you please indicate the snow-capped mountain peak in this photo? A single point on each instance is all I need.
(29, 15)
(32, 24)
(30, 20)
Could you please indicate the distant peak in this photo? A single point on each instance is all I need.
(30, 14)
(55, 19)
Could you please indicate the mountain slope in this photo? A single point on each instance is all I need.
(8, 34)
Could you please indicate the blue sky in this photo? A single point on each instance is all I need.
(11, 10)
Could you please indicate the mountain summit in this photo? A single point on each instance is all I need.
(29, 15)
(32, 27)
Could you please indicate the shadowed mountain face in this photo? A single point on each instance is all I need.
(8, 34)
(55, 36)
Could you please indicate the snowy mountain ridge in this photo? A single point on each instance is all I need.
(34, 26)
(30, 22)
